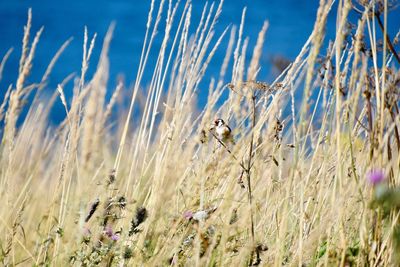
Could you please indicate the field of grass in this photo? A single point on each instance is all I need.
(310, 180)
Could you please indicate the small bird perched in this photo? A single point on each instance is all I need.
(223, 131)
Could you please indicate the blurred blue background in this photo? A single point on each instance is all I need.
(290, 24)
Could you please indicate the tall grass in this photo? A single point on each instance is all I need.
(158, 188)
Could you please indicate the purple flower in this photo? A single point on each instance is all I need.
(375, 177)
(108, 231)
(115, 237)
(188, 215)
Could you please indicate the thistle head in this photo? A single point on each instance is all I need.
(375, 176)
(188, 215)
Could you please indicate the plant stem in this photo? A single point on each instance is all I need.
(389, 42)
(229, 151)
(248, 171)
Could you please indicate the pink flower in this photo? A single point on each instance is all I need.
(188, 215)
(375, 177)
(115, 237)
(108, 231)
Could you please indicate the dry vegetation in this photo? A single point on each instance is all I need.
(157, 188)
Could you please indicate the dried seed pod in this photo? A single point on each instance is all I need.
(93, 208)
(111, 177)
(139, 218)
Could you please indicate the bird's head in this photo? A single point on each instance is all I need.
(219, 122)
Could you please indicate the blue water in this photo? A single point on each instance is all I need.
(290, 24)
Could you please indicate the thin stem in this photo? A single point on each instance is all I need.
(248, 171)
(228, 150)
(389, 42)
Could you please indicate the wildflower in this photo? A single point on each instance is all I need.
(188, 215)
(108, 231)
(375, 177)
(114, 237)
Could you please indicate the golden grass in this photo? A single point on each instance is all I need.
(118, 189)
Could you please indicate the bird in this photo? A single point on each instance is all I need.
(223, 131)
